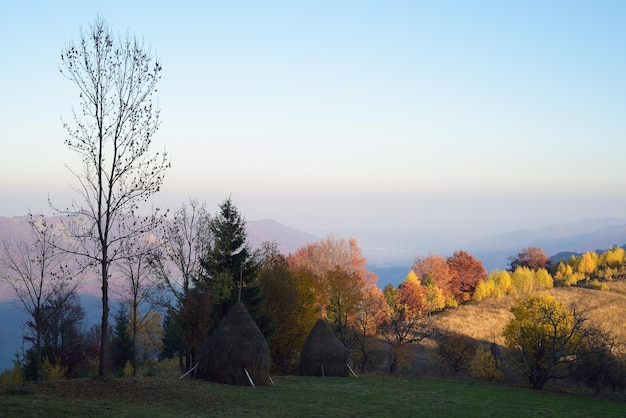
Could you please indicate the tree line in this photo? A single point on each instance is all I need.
(183, 277)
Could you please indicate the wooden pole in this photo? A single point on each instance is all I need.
(249, 378)
(352, 370)
(190, 370)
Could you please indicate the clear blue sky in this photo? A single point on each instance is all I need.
(344, 115)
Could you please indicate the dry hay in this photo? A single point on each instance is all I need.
(323, 354)
(236, 346)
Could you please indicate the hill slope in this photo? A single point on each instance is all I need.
(486, 320)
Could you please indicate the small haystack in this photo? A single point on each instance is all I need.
(236, 352)
(323, 354)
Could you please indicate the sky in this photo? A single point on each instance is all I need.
(343, 116)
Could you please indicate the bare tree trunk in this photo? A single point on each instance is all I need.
(38, 349)
(134, 328)
(105, 320)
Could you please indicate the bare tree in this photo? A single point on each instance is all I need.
(112, 133)
(185, 240)
(135, 263)
(37, 277)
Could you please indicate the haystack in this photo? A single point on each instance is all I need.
(323, 354)
(234, 351)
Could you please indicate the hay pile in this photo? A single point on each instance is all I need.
(235, 346)
(323, 354)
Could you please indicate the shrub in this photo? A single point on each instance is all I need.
(596, 285)
(483, 365)
(14, 375)
(454, 350)
(128, 369)
(52, 371)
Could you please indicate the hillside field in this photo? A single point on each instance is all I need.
(291, 396)
(485, 320)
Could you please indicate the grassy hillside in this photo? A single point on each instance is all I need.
(371, 396)
(485, 320)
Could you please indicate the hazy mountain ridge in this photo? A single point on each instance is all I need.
(288, 240)
(391, 254)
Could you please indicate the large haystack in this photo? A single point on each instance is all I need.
(236, 346)
(323, 354)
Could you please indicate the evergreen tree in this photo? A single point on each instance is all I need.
(230, 268)
(172, 344)
(122, 344)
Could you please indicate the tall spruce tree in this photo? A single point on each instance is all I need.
(230, 267)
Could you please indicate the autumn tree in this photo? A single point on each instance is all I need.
(329, 260)
(288, 299)
(466, 271)
(345, 293)
(434, 272)
(148, 337)
(406, 321)
(497, 284)
(532, 257)
(614, 257)
(38, 278)
(588, 263)
(546, 337)
(371, 311)
(111, 133)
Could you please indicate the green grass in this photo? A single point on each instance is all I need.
(369, 396)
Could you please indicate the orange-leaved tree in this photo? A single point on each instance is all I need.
(406, 320)
(467, 271)
(339, 274)
(434, 273)
(371, 312)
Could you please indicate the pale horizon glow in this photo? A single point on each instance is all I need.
(438, 117)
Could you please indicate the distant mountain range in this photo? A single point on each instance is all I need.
(391, 254)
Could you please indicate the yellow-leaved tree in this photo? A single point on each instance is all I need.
(546, 337)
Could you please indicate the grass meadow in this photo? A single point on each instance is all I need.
(294, 396)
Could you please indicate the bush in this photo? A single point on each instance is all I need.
(128, 369)
(596, 285)
(454, 350)
(14, 375)
(52, 371)
(484, 366)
